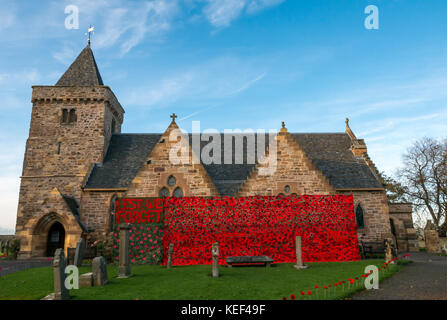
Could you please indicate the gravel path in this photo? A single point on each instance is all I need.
(424, 279)
(11, 266)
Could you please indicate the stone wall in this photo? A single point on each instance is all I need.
(402, 215)
(191, 178)
(294, 169)
(60, 155)
(375, 214)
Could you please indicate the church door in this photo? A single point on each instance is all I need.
(56, 238)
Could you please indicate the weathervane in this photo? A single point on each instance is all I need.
(89, 33)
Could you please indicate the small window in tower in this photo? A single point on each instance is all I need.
(73, 117)
(59, 147)
(64, 116)
(178, 193)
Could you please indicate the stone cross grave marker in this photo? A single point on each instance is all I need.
(124, 259)
(170, 252)
(59, 264)
(79, 254)
(99, 268)
(215, 254)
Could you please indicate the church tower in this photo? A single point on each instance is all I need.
(71, 126)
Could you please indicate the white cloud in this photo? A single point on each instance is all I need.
(255, 6)
(130, 25)
(220, 13)
(212, 80)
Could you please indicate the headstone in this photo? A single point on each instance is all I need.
(299, 254)
(215, 254)
(170, 252)
(79, 254)
(99, 268)
(7, 247)
(124, 259)
(59, 264)
(432, 243)
(86, 280)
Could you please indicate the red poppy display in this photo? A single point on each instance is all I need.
(261, 225)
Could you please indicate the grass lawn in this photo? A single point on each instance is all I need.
(193, 282)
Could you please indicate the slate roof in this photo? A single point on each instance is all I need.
(126, 154)
(330, 152)
(82, 72)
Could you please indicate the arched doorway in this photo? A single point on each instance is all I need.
(56, 238)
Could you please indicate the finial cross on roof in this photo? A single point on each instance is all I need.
(173, 116)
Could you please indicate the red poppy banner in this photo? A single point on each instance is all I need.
(261, 226)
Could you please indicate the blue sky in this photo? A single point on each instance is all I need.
(235, 64)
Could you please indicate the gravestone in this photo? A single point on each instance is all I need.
(215, 254)
(299, 254)
(99, 268)
(432, 243)
(7, 247)
(86, 280)
(124, 259)
(79, 254)
(59, 264)
(170, 252)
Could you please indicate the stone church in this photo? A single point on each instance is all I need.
(77, 162)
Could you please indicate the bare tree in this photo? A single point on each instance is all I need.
(423, 178)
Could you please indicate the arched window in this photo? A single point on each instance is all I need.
(72, 117)
(171, 181)
(287, 189)
(359, 217)
(164, 192)
(112, 212)
(178, 192)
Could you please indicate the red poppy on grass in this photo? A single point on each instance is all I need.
(292, 296)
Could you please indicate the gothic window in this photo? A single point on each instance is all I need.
(287, 189)
(64, 116)
(72, 117)
(172, 181)
(178, 192)
(164, 192)
(359, 217)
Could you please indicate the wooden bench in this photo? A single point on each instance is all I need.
(249, 261)
(372, 247)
